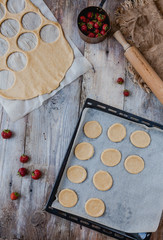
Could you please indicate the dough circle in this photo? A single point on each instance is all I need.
(95, 207)
(92, 129)
(111, 157)
(67, 198)
(140, 139)
(116, 132)
(102, 180)
(134, 164)
(76, 174)
(84, 151)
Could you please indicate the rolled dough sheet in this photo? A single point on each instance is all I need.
(111, 157)
(92, 129)
(84, 151)
(76, 174)
(117, 132)
(68, 198)
(95, 207)
(102, 180)
(140, 139)
(134, 164)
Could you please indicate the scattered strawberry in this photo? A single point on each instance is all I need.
(101, 18)
(6, 134)
(83, 19)
(96, 31)
(92, 35)
(22, 172)
(84, 28)
(98, 35)
(126, 93)
(14, 195)
(120, 81)
(96, 15)
(105, 27)
(97, 25)
(90, 15)
(87, 20)
(102, 32)
(90, 25)
(36, 174)
(24, 158)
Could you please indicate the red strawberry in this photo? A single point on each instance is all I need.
(101, 18)
(98, 35)
(92, 35)
(90, 15)
(90, 25)
(22, 172)
(83, 19)
(105, 27)
(14, 195)
(102, 32)
(84, 28)
(36, 174)
(6, 133)
(87, 20)
(24, 158)
(96, 31)
(126, 93)
(96, 15)
(120, 81)
(97, 24)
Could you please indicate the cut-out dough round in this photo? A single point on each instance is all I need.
(49, 33)
(2, 11)
(140, 139)
(15, 6)
(92, 129)
(84, 151)
(111, 157)
(68, 198)
(17, 61)
(134, 164)
(6, 79)
(3, 47)
(102, 180)
(9, 28)
(27, 41)
(95, 207)
(31, 21)
(76, 174)
(116, 132)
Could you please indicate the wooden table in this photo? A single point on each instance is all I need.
(45, 133)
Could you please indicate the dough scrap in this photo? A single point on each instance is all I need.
(102, 180)
(76, 174)
(95, 207)
(111, 157)
(116, 132)
(68, 198)
(84, 151)
(140, 139)
(134, 164)
(92, 129)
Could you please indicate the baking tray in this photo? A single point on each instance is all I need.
(83, 221)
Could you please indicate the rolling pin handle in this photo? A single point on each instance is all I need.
(119, 37)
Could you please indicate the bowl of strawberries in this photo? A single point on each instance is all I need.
(93, 24)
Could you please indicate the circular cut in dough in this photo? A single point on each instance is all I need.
(102, 180)
(111, 157)
(116, 132)
(76, 174)
(92, 129)
(95, 207)
(134, 164)
(140, 139)
(67, 198)
(84, 151)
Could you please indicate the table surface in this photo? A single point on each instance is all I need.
(45, 133)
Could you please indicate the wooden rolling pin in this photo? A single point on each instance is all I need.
(141, 66)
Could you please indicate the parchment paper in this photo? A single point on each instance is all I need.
(16, 109)
(134, 204)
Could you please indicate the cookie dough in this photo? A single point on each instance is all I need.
(95, 207)
(111, 157)
(92, 129)
(134, 164)
(84, 151)
(102, 180)
(67, 198)
(76, 174)
(140, 139)
(117, 132)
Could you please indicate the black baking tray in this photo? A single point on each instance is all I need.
(90, 103)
